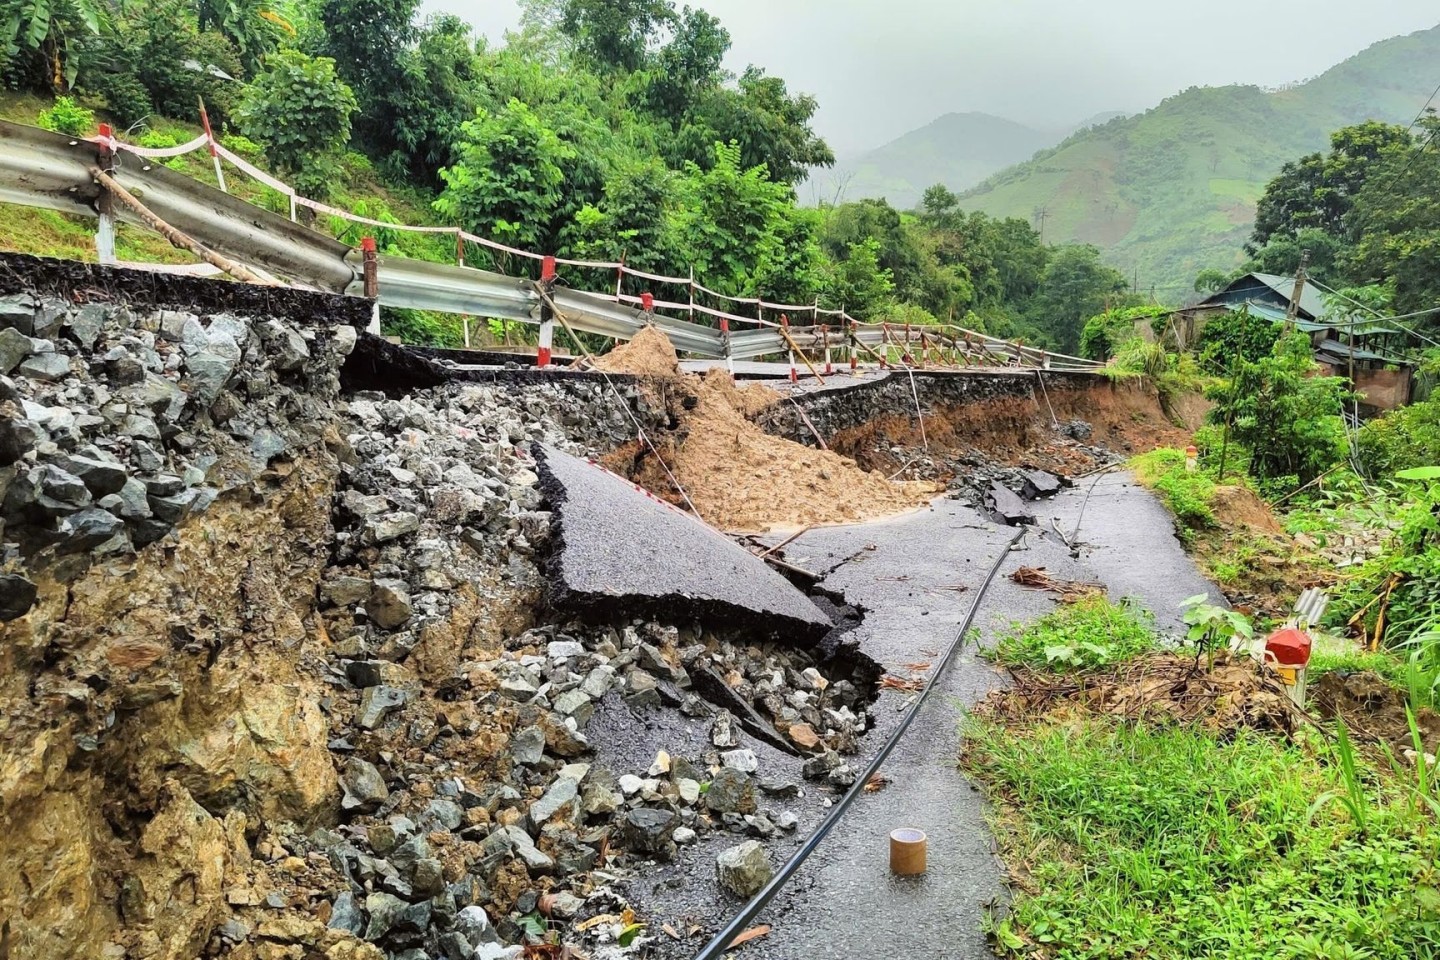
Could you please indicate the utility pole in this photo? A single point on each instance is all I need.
(1294, 309)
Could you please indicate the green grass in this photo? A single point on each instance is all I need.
(1167, 842)
(1089, 634)
(1188, 495)
(1419, 677)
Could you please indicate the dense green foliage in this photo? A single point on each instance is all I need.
(1367, 213)
(1288, 417)
(1233, 337)
(601, 130)
(1196, 844)
(1104, 334)
(1174, 190)
(301, 110)
(1188, 495)
(1088, 634)
(1395, 596)
(1401, 440)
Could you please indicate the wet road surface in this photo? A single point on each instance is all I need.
(915, 576)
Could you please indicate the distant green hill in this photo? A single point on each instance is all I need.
(959, 150)
(1173, 190)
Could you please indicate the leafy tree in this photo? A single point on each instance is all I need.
(770, 125)
(371, 44)
(615, 34)
(687, 68)
(440, 88)
(728, 219)
(1074, 287)
(1317, 191)
(146, 54)
(1210, 280)
(859, 284)
(301, 111)
(254, 27)
(1396, 223)
(1285, 414)
(1104, 333)
(1282, 255)
(1235, 336)
(40, 38)
(507, 182)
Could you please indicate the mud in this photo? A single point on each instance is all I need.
(1374, 711)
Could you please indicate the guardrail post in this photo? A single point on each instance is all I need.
(547, 316)
(105, 202)
(460, 262)
(885, 346)
(215, 154)
(825, 340)
(785, 325)
(725, 346)
(371, 264)
(850, 347)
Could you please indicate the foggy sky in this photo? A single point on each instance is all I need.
(883, 67)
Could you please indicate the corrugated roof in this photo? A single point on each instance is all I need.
(1311, 301)
(1343, 351)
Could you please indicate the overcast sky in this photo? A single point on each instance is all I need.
(883, 67)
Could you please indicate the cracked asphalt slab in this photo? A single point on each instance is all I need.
(914, 576)
(622, 551)
(1127, 536)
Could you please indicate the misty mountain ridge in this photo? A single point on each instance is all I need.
(959, 150)
(1173, 190)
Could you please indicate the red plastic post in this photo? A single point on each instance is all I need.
(1288, 647)
(647, 302)
(547, 270)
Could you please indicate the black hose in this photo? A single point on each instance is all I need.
(741, 921)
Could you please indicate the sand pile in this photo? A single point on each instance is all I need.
(649, 354)
(738, 476)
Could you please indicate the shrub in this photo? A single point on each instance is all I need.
(68, 117)
(301, 110)
(1404, 438)
(1283, 413)
(1089, 634)
(1238, 334)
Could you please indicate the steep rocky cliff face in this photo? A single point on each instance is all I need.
(167, 484)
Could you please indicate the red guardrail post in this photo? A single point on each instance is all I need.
(547, 316)
(370, 260)
(105, 202)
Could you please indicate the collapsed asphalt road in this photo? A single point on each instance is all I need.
(914, 575)
(618, 546)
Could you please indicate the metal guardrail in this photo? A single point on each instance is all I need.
(43, 169)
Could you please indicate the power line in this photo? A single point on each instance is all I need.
(1424, 108)
(1381, 316)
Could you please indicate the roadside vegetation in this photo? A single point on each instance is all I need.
(1155, 801)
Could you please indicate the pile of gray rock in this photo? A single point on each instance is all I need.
(117, 424)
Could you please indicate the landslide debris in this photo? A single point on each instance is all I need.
(738, 476)
(1236, 693)
(301, 700)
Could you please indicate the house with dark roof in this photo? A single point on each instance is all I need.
(1360, 353)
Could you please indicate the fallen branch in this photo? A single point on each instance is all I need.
(176, 238)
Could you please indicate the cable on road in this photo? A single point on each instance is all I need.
(741, 921)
